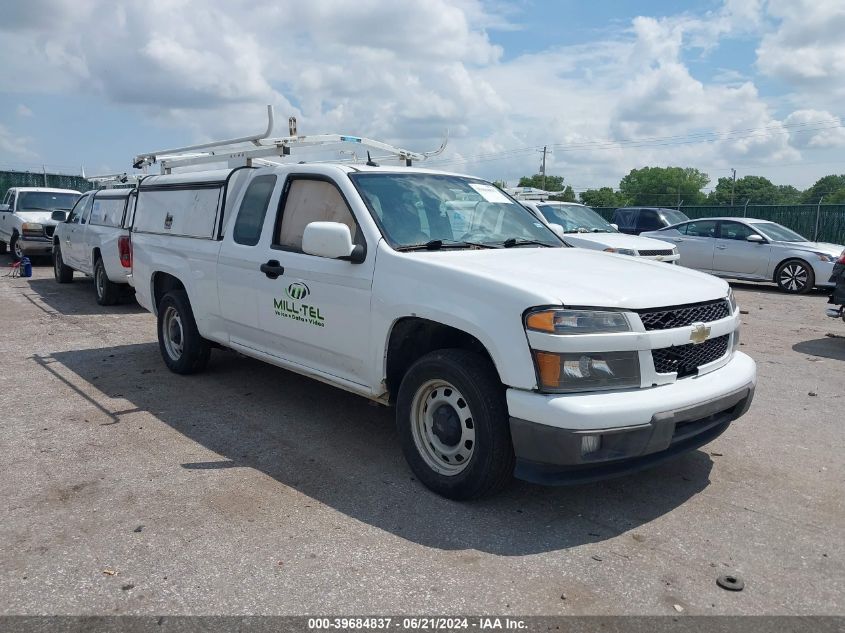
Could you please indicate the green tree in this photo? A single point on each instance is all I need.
(664, 186)
(787, 194)
(603, 197)
(829, 186)
(552, 183)
(755, 189)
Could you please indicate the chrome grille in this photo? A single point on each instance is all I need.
(686, 359)
(655, 253)
(680, 316)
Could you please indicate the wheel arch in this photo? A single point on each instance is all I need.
(160, 284)
(785, 260)
(410, 338)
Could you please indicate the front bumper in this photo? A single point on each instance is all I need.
(638, 428)
(36, 245)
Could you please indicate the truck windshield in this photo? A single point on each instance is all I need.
(417, 210)
(575, 218)
(45, 201)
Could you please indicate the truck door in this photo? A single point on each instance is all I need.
(71, 232)
(311, 311)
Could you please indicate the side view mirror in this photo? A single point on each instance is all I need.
(557, 229)
(331, 240)
(4, 207)
(756, 239)
(58, 216)
(615, 226)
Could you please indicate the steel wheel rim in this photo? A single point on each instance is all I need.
(172, 333)
(794, 277)
(101, 285)
(442, 427)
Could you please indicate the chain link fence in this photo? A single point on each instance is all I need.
(822, 223)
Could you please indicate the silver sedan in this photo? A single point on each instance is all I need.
(753, 250)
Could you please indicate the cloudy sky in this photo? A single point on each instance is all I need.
(608, 85)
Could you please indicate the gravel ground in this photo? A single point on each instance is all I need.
(251, 490)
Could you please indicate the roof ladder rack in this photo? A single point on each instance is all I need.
(257, 148)
(112, 181)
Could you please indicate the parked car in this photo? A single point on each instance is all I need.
(355, 275)
(837, 297)
(580, 226)
(94, 239)
(26, 225)
(635, 220)
(753, 250)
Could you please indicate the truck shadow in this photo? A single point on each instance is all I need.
(832, 347)
(342, 451)
(75, 299)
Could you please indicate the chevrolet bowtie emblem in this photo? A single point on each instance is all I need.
(699, 333)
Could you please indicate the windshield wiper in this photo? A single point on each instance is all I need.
(515, 241)
(436, 245)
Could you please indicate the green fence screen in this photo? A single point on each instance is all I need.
(10, 179)
(798, 217)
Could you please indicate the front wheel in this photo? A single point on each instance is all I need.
(15, 248)
(183, 349)
(108, 293)
(795, 276)
(453, 424)
(62, 273)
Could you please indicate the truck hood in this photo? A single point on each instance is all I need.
(575, 277)
(40, 217)
(616, 240)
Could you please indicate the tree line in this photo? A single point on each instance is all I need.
(671, 186)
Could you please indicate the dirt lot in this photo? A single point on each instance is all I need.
(248, 489)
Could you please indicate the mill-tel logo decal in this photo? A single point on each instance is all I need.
(293, 308)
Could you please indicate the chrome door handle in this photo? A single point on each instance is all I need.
(721, 248)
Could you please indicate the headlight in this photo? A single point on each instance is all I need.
(32, 227)
(824, 257)
(586, 371)
(577, 321)
(732, 300)
(620, 251)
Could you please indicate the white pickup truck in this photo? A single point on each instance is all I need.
(26, 219)
(94, 239)
(504, 351)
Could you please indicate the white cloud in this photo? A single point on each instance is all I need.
(807, 50)
(815, 128)
(23, 111)
(14, 146)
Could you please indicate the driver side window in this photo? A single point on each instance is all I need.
(310, 200)
(76, 212)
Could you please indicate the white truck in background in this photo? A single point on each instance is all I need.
(504, 351)
(26, 219)
(94, 240)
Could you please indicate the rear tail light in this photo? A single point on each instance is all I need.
(124, 247)
(842, 258)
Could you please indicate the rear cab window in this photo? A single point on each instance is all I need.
(250, 220)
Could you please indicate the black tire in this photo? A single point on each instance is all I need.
(795, 276)
(13, 245)
(3, 248)
(490, 465)
(107, 292)
(194, 349)
(62, 273)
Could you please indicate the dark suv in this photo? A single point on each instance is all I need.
(635, 220)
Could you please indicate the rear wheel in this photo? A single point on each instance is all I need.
(452, 421)
(183, 349)
(62, 273)
(795, 276)
(108, 293)
(3, 248)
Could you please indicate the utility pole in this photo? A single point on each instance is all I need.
(543, 168)
(733, 186)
